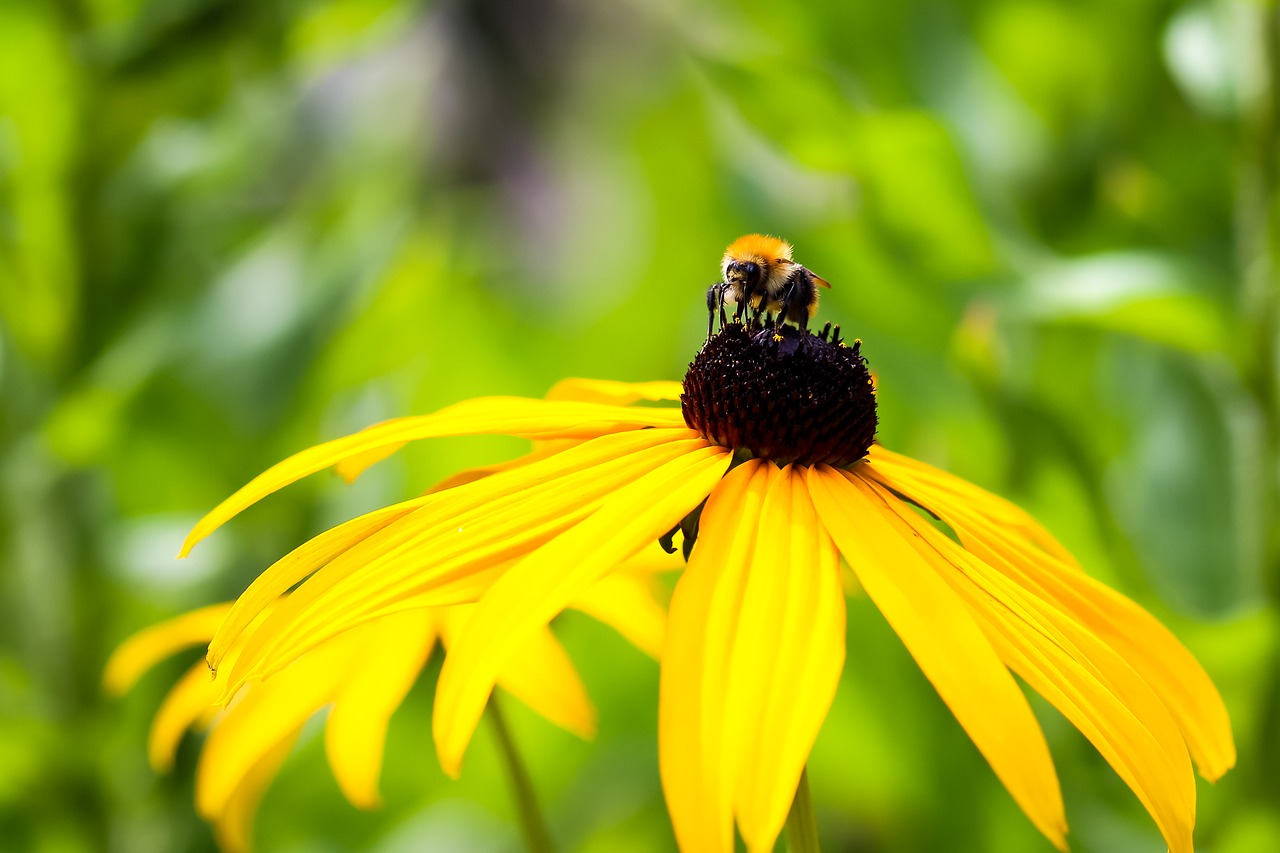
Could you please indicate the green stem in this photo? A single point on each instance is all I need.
(1259, 242)
(802, 824)
(532, 825)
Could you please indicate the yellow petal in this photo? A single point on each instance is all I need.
(267, 713)
(538, 587)
(397, 647)
(542, 451)
(352, 467)
(628, 602)
(281, 576)
(151, 645)
(539, 419)
(651, 561)
(540, 675)
(188, 703)
(698, 767)
(433, 555)
(1010, 516)
(233, 826)
(786, 655)
(936, 627)
(1137, 636)
(451, 511)
(602, 391)
(1084, 678)
(613, 393)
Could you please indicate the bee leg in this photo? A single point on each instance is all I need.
(784, 307)
(798, 295)
(715, 302)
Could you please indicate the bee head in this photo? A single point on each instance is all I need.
(749, 274)
(752, 259)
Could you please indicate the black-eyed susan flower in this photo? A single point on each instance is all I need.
(361, 676)
(770, 468)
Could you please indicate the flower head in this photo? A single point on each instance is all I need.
(771, 470)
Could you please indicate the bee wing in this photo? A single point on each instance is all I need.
(819, 280)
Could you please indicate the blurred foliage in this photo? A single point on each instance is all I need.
(229, 229)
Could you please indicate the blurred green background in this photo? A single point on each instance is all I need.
(229, 229)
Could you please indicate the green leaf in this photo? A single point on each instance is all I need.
(1187, 492)
(1144, 295)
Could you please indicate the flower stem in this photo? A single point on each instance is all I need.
(532, 825)
(802, 824)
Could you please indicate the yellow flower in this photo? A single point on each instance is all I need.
(362, 675)
(776, 434)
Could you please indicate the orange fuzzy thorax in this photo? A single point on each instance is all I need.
(758, 248)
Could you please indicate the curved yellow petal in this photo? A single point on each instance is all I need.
(233, 826)
(351, 467)
(454, 510)
(953, 652)
(541, 451)
(1007, 514)
(280, 577)
(145, 649)
(434, 554)
(538, 419)
(1065, 662)
(602, 391)
(652, 561)
(1137, 636)
(613, 393)
(540, 675)
(396, 649)
(267, 713)
(1143, 761)
(188, 703)
(538, 587)
(697, 764)
(628, 602)
(786, 655)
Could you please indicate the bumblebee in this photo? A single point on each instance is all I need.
(758, 272)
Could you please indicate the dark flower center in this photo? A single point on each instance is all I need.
(782, 394)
